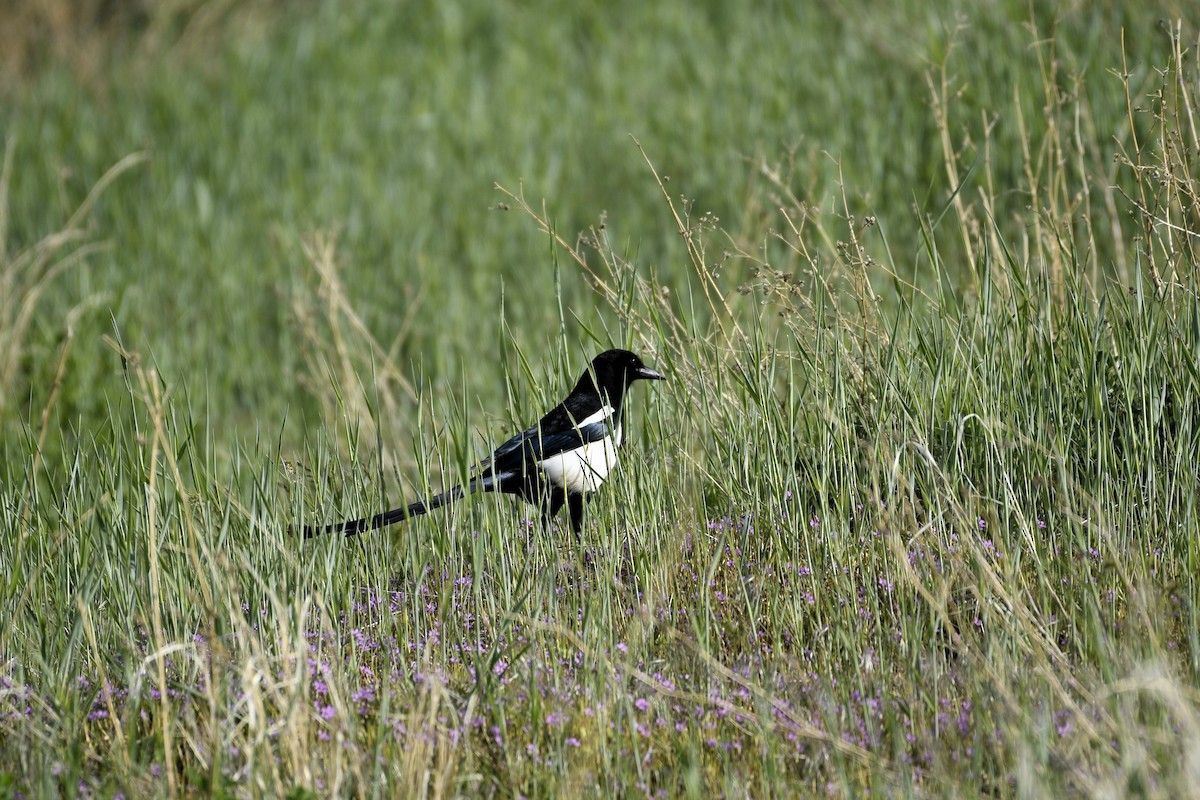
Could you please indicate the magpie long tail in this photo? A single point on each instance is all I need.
(353, 527)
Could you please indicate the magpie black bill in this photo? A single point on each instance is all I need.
(647, 374)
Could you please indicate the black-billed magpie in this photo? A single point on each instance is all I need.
(565, 456)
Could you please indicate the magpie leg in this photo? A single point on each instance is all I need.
(575, 503)
(551, 505)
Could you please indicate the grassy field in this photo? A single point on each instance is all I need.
(916, 513)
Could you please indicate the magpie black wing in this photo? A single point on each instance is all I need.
(555, 433)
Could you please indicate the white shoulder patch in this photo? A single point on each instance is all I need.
(604, 413)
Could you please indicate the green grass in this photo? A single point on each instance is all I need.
(915, 512)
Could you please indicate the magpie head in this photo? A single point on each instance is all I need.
(614, 370)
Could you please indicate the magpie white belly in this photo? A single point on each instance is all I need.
(583, 469)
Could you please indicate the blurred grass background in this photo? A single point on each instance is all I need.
(916, 512)
(387, 126)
